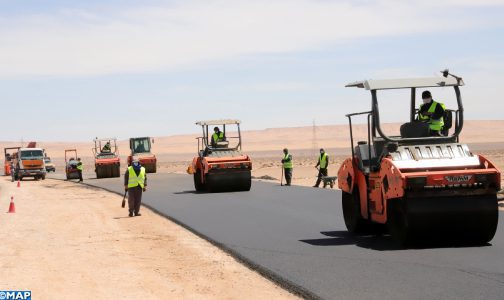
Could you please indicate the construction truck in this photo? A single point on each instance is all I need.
(49, 165)
(71, 162)
(29, 162)
(141, 151)
(107, 161)
(221, 166)
(424, 186)
(8, 155)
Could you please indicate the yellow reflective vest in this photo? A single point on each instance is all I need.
(134, 180)
(80, 167)
(434, 124)
(217, 137)
(287, 164)
(323, 161)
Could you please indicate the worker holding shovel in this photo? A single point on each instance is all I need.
(135, 183)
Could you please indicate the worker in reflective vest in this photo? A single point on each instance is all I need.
(106, 148)
(322, 164)
(218, 136)
(135, 183)
(287, 166)
(79, 168)
(431, 112)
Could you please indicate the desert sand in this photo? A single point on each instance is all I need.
(76, 242)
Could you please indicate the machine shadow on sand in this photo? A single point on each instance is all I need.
(381, 242)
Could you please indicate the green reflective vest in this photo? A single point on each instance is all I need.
(287, 164)
(218, 137)
(80, 167)
(134, 180)
(434, 124)
(323, 161)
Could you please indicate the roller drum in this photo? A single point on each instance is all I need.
(469, 219)
(229, 181)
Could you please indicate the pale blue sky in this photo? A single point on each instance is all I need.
(126, 68)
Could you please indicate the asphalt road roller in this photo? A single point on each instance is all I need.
(423, 185)
(141, 150)
(220, 165)
(106, 158)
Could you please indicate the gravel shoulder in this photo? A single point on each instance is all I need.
(73, 241)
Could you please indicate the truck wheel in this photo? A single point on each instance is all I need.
(352, 215)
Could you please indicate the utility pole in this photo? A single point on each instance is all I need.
(314, 138)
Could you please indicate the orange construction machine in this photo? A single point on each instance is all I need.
(141, 150)
(107, 161)
(220, 165)
(425, 185)
(29, 162)
(71, 164)
(9, 154)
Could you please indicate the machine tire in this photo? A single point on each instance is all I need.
(100, 172)
(154, 168)
(116, 172)
(198, 185)
(397, 221)
(43, 177)
(351, 213)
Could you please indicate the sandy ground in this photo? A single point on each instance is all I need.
(69, 241)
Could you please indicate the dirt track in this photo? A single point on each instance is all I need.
(71, 241)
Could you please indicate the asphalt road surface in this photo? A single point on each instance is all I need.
(298, 235)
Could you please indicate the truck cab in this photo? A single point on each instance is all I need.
(29, 162)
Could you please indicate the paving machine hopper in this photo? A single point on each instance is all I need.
(9, 153)
(71, 164)
(221, 166)
(141, 150)
(425, 188)
(107, 161)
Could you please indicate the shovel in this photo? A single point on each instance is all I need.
(123, 204)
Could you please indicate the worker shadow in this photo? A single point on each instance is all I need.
(123, 217)
(187, 192)
(378, 241)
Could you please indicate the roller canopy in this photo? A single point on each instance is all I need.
(218, 122)
(385, 84)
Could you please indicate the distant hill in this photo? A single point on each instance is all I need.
(275, 139)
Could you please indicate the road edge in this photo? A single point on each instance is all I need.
(263, 271)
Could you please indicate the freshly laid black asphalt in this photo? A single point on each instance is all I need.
(297, 234)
